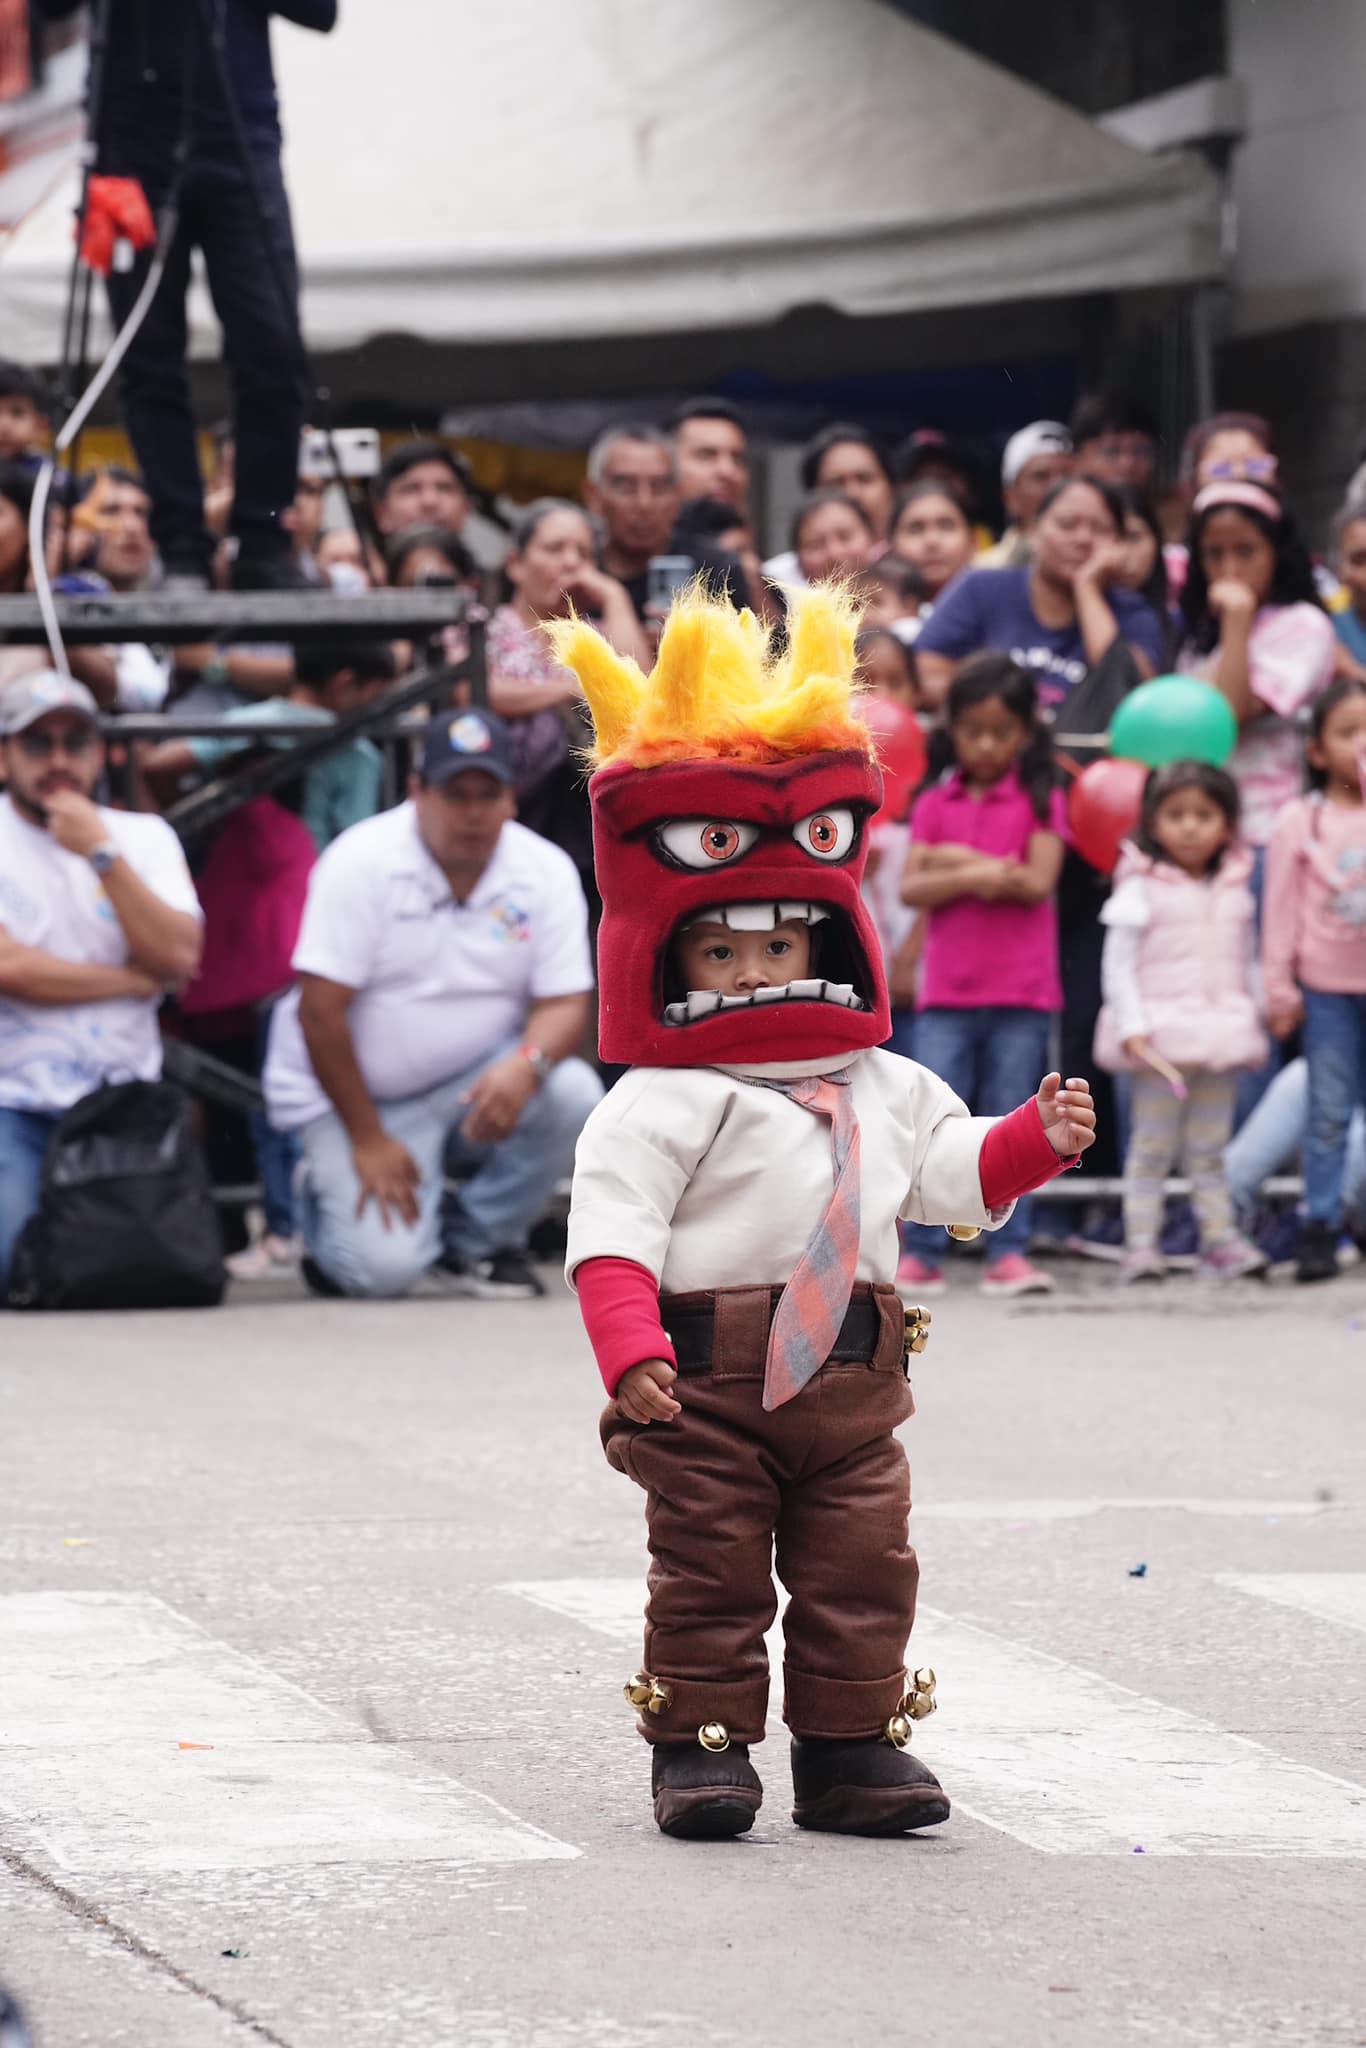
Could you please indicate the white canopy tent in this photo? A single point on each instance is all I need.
(549, 170)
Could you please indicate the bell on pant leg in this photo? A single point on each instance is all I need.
(873, 1786)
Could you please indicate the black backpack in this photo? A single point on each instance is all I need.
(126, 1218)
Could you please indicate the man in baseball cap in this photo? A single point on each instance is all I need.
(41, 694)
(1034, 459)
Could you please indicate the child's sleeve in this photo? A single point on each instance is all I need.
(973, 1169)
(635, 1156)
(619, 1303)
(1281, 912)
(1125, 916)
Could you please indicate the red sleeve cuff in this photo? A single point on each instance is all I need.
(1016, 1156)
(619, 1303)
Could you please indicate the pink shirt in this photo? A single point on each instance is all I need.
(1314, 918)
(1291, 655)
(976, 953)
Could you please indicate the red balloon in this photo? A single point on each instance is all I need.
(900, 751)
(1103, 808)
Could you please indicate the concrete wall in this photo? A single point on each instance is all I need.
(1297, 345)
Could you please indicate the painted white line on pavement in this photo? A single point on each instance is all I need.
(132, 1741)
(1328, 1596)
(1064, 1760)
(1076, 1510)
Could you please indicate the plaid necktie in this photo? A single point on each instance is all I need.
(816, 1299)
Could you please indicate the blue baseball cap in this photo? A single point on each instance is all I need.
(467, 739)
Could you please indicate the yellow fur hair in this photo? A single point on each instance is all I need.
(716, 691)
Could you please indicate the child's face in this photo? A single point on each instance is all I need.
(934, 536)
(1352, 563)
(885, 672)
(21, 426)
(735, 963)
(1191, 829)
(1233, 546)
(988, 739)
(1339, 750)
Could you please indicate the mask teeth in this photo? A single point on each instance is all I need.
(707, 1002)
(759, 917)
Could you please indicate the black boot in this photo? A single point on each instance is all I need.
(863, 1788)
(1318, 1252)
(704, 1795)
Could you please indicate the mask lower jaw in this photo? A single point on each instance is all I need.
(702, 1003)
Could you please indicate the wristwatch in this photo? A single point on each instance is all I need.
(102, 857)
(539, 1062)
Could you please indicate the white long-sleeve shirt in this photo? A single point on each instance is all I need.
(709, 1181)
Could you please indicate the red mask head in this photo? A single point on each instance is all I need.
(730, 782)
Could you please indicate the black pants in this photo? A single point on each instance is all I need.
(261, 343)
(1081, 940)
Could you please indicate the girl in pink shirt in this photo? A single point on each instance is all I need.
(986, 852)
(1314, 953)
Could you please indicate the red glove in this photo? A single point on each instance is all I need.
(116, 208)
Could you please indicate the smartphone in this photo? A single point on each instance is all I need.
(355, 448)
(665, 576)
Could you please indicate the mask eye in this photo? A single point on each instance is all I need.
(705, 842)
(829, 835)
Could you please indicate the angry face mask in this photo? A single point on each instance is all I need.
(732, 789)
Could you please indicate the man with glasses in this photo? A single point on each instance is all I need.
(633, 493)
(98, 917)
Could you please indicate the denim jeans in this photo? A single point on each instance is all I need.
(1272, 1141)
(1335, 1049)
(261, 344)
(24, 1135)
(492, 1211)
(995, 1059)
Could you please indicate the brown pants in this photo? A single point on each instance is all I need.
(822, 1484)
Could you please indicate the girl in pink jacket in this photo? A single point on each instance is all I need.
(1181, 1008)
(1314, 953)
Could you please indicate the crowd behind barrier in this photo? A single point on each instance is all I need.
(344, 874)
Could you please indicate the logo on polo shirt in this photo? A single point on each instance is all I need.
(470, 735)
(510, 921)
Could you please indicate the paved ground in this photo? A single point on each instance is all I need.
(313, 1620)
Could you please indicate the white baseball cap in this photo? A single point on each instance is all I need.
(1040, 437)
(32, 697)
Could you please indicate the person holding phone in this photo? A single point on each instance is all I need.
(633, 494)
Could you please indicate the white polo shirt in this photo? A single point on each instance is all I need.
(442, 984)
(50, 1054)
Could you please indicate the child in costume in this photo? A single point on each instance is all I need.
(733, 1237)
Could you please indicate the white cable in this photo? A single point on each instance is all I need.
(94, 391)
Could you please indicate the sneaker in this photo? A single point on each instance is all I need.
(1234, 1259)
(1102, 1238)
(925, 1282)
(1144, 1263)
(1181, 1238)
(1014, 1275)
(268, 1256)
(1278, 1237)
(503, 1276)
(1318, 1258)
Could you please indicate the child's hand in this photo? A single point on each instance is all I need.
(1231, 600)
(643, 1393)
(1067, 1114)
(1286, 1017)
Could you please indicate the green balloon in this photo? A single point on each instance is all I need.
(1174, 718)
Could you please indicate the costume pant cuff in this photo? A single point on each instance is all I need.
(840, 1708)
(741, 1708)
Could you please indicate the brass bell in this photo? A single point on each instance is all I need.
(920, 1700)
(898, 1731)
(918, 1322)
(964, 1232)
(647, 1694)
(715, 1736)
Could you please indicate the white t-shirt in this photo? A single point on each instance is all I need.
(709, 1181)
(50, 1055)
(442, 984)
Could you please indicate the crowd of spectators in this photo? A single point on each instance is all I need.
(413, 978)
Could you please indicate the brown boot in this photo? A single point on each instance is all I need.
(704, 1795)
(863, 1788)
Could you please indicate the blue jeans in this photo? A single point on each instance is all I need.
(1272, 1139)
(995, 1059)
(24, 1135)
(493, 1210)
(1335, 1049)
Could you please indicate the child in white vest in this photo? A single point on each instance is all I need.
(1181, 1011)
